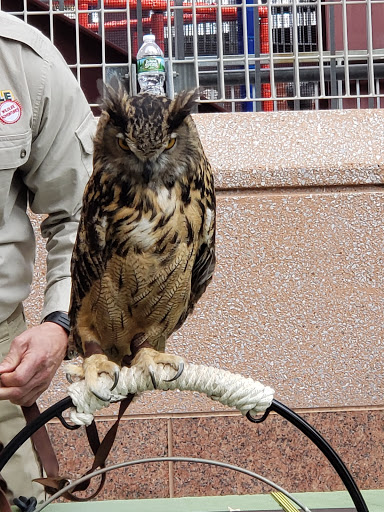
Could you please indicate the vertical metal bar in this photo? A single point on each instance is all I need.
(129, 43)
(371, 73)
(295, 48)
(77, 43)
(99, 2)
(139, 14)
(220, 51)
(103, 59)
(377, 93)
(169, 78)
(358, 99)
(245, 44)
(25, 11)
(195, 46)
(233, 106)
(256, 23)
(320, 46)
(340, 93)
(316, 96)
(51, 34)
(346, 50)
(271, 60)
(179, 31)
(332, 47)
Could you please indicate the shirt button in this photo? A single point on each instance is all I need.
(23, 153)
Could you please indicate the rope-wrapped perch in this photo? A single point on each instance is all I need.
(230, 389)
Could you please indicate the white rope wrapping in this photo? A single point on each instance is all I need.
(230, 389)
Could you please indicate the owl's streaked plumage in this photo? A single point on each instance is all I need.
(144, 253)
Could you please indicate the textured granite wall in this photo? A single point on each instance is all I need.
(297, 302)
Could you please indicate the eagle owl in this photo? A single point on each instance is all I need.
(145, 250)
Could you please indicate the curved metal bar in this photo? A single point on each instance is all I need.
(24, 434)
(323, 446)
(225, 465)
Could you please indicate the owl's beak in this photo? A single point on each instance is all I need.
(147, 171)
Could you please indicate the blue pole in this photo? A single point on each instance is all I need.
(247, 106)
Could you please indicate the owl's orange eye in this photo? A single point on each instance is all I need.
(123, 145)
(171, 143)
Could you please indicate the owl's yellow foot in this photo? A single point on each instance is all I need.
(93, 366)
(147, 359)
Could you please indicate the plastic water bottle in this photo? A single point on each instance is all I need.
(150, 66)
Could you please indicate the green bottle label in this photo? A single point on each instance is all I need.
(151, 64)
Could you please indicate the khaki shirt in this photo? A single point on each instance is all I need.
(46, 130)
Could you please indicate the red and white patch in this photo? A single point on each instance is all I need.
(10, 111)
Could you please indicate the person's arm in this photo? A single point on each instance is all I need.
(55, 175)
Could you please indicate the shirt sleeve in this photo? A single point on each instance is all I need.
(58, 169)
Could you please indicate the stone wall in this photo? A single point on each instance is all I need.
(297, 302)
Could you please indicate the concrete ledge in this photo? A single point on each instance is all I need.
(295, 149)
(335, 501)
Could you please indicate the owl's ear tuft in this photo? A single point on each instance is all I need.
(112, 94)
(181, 107)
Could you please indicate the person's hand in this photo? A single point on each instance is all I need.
(31, 363)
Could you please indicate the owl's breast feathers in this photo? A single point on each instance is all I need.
(143, 257)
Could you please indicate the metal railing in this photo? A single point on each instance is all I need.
(246, 56)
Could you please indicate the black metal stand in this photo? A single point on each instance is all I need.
(323, 446)
(56, 410)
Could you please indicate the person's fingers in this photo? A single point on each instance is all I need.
(21, 396)
(11, 360)
(26, 371)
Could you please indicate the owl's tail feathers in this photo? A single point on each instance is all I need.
(230, 389)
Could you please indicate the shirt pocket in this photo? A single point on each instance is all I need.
(85, 134)
(14, 152)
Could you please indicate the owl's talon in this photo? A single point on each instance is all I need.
(116, 376)
(95, 368)
(73, 371)
(147, 359)
(178, 373)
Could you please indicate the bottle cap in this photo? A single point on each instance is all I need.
(148, 37)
